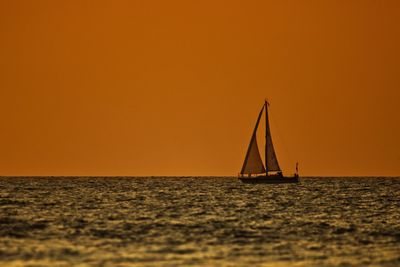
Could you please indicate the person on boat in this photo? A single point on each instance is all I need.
(297, 170)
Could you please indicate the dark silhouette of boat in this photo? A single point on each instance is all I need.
(254, 170)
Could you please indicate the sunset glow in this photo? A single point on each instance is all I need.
(174, 87)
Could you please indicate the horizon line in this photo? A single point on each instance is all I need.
(186, 176)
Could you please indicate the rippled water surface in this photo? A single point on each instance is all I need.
(199, 222)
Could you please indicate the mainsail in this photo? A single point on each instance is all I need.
(271, 161)
(253, 163)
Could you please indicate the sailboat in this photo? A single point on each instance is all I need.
(254, 170)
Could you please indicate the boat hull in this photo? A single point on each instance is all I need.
(269, 180)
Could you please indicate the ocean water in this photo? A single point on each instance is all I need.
(189, 221)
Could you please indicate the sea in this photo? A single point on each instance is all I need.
(199, 221)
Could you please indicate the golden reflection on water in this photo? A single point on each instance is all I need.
(199, 222)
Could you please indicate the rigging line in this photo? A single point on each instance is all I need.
(280, 136)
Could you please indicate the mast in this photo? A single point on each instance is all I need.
(266, 135)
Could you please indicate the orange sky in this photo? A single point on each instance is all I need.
(174, 87)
